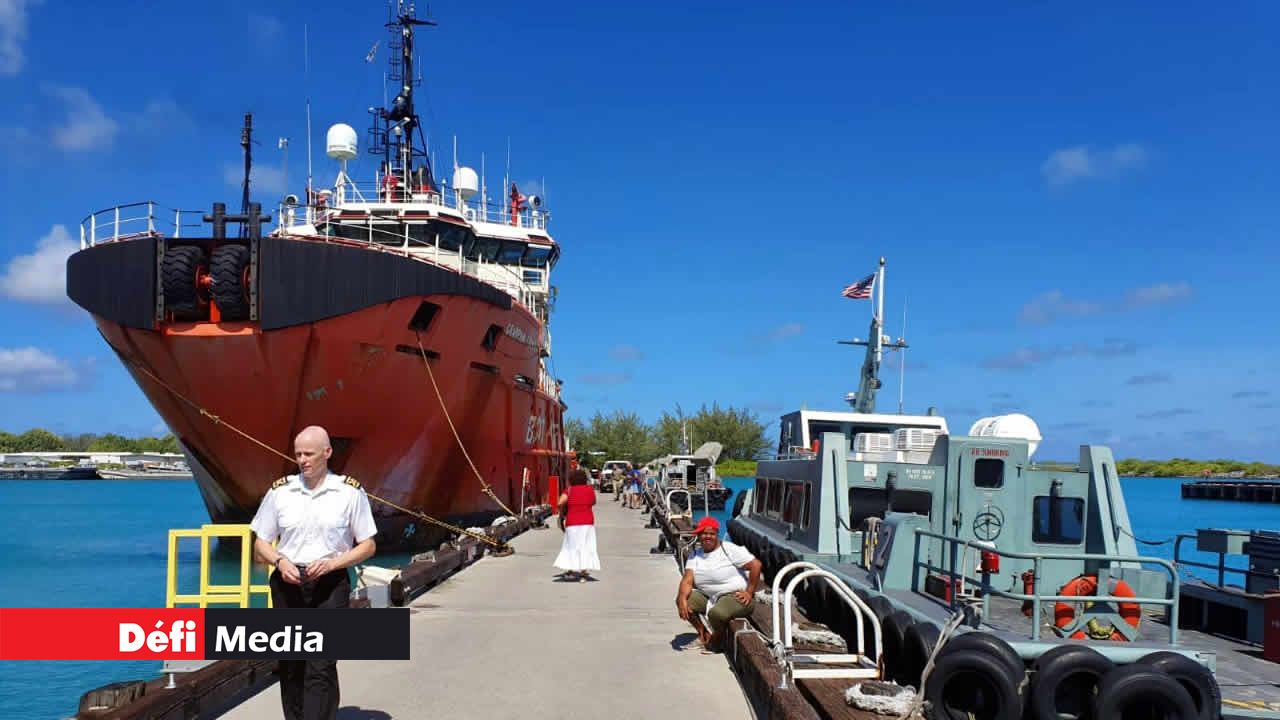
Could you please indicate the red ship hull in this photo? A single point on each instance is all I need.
(361, 376)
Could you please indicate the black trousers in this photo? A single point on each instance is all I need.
(309, 688)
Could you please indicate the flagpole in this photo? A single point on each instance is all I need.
(879, 313)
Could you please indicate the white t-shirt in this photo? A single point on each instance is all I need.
(312, 525)
(721, 571)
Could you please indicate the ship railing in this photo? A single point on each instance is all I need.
(1221, 543)
(783, 647)
(351, 193)
(1037, 559)
(136, 220)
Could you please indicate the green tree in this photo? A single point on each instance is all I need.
(39, 440)
(8, 442)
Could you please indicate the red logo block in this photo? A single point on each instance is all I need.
(101, 634)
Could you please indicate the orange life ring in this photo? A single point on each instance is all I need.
(1085, 585)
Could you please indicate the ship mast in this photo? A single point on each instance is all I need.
(392, 132)
(869, 383)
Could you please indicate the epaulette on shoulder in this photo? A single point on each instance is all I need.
(280, 483)
(352, 482)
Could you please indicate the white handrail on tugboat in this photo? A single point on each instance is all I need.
(131, 221)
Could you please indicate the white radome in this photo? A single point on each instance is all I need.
(342, 143)
(1014, 425)
(466, 182)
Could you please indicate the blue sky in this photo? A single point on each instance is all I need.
(1077, 205)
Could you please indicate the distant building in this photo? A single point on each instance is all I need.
(29, 459)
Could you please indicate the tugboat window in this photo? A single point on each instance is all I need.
(762, 490)
(485, 249)
(775, 496)
(422, 234)
(1058, 520)
(988, 473)
(451, 237)
(537, 256)
(350, 231)
(511, 252)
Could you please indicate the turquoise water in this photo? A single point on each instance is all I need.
(103, 544)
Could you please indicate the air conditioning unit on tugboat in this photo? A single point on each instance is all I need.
(873, 442)
(1014, 425)
(915, 445)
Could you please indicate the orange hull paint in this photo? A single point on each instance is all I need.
(346, 374)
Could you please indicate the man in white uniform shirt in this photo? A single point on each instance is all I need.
(324, 525)
(714, 578)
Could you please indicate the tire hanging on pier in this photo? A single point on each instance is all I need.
(917, 644)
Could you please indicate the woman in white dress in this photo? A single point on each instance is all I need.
(578, 551)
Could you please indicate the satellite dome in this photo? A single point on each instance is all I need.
(466, 182)
(341, 142)
(1014, 426)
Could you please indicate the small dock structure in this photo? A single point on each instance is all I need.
(1255, 491)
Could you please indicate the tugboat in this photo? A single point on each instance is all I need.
(409, 318)
(1030, 576)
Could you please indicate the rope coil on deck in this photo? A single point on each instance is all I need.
(496, 544)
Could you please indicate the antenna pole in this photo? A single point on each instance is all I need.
(902, 367)
(306, 82)
(246, 142)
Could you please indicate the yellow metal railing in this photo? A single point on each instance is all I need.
(239, 593)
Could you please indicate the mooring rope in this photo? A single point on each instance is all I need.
(217, 420)
(484, 486)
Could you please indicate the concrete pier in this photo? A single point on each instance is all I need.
(506, 639)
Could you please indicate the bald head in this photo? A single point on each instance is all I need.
(311, 450)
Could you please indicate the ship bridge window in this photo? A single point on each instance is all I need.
(453, 237)
(988, 473)
(422, 234)
(388, 234)
(1057, 520)
(483, 248)
(533, 277)
(536, 256)
(349, 231)
(511, 252)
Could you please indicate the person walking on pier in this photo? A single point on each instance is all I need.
(714, 584)
(578, 551)
(325, 525)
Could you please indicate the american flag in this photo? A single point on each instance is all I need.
(860, 290)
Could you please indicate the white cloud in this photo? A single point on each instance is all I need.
(626, 352)
(13, 32)
(262, 178)
(41, 276)
(30, 369)
(1068, 165)
(1055, 305)
(1158, 294)
(87, 126)
(786, 331)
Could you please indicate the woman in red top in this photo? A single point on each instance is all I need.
(578, 552)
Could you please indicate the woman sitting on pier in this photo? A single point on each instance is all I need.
(714, 585)
(578, 551)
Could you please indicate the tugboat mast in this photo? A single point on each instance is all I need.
(869, 383)
(392, 133)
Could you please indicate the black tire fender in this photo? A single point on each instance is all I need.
(180, 268)
(988, 643)
(973, 683)
(1129, 687)
(895, 628)
(229, 269)
(917, 644)
(1194, 678)
(1065, 682)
